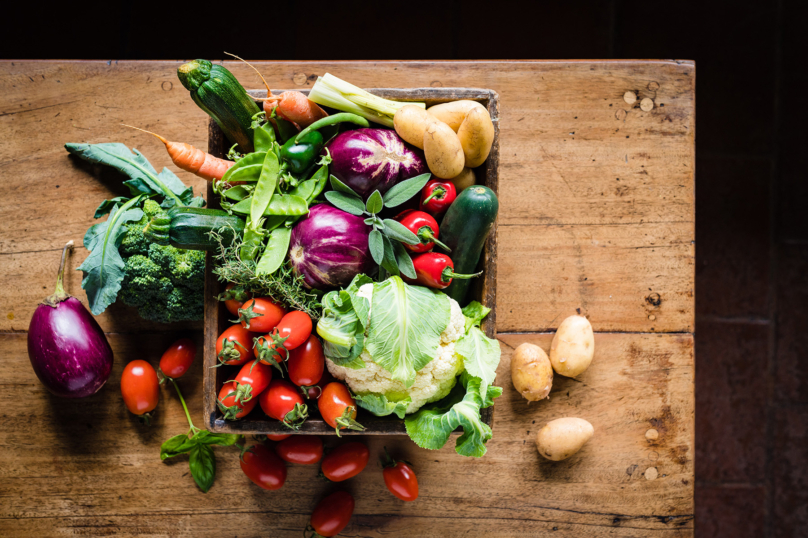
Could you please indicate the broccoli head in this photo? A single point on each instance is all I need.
(164, 283)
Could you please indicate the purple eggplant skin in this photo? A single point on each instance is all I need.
(67, 348)
(370, 159)
(329, 247)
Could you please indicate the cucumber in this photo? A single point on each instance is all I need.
(464, 229)
(216, 91)
(188, 228)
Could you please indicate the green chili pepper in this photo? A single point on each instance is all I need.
(302, 155)
(342, 117)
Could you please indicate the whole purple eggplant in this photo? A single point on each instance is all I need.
(330, 247)
(370, 159)
(67, 348)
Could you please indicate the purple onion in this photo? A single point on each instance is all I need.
(67, 348)
(330, 247)
(370, 159)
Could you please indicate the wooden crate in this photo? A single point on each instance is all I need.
(217, 317)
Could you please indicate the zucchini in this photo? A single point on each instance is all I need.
(464, 229)
(188, 228)
(220, 94)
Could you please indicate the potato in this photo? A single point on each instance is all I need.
(531, 372)
(453, 114)
(411, 122)
(444, 154)
(573, 346)
(561, 438)
(476, 135)
(465, 180)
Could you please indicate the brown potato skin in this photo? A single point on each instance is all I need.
(573, 347)
(443, 152)
(453, 114)
(531, 372)
(476, 135)
(411, 122)
(465, 180)
(561, 438)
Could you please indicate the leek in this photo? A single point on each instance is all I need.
(335, 93)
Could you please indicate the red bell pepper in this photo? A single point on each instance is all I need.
(425, 227)
(436, 270)
(437, 196)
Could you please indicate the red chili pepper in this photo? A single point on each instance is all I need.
(425, 227)
(437, 196)
(436, 270)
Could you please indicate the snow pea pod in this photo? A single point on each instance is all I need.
(280, 204)
(253, 239)
(264, 137)
(265, 187)
(342, 117)
(276, 250)
(247, 169)
(237, 193)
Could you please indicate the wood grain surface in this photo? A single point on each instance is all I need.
(596, 214)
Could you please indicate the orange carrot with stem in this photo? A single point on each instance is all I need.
(293, 106)
(192, 159)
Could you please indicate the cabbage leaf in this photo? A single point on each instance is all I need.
(379, 405)
(342, 324)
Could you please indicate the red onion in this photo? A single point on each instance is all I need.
(67, 348)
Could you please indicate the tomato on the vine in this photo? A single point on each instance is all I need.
(252, 380)
(338, 407)
(283, 402)
(233, 345)
(400, 478)
(302, 449)
(237, 298)
(233, 409)
(294, 328)
(140, 388)
(332, 514)
(306, 362)
(268, 350)
(278, 436)
(260, 315)
(345, 461)
(178, 358)
(263, 467)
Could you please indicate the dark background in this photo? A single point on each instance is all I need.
(751, 224)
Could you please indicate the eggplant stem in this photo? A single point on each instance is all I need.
(60, 288)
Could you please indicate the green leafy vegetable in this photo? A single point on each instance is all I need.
(403, 191)
(346, 202)
(431, 426)
(475, 313)
(379, 405)
(480, 356)
(342, 324)
(405, 327)
(374, 203)
(203, 466)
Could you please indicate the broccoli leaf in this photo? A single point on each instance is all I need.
(379, 405)
(480, 356)
(405, 326)
(432, 425)
(104, 268)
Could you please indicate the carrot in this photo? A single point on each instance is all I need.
(192, 159)
(291, 105)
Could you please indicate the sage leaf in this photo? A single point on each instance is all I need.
(401, 192)
(342, 201)
(374, 203)
(403, 260)
(203, 466)
(389, 263)
(338, 185)
(395, 230)
(376, 245)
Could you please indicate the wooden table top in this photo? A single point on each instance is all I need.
(597, 214)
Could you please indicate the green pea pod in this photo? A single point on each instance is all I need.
(321, 177)
(286, 129)
(304, 189)
(281, 204)
(253, 239)
(247, 169)
(276, 250)
(264, 137)
(237, 193)
(266, 186)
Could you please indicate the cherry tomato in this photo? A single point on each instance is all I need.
(178, 358)
(306, 362)
(228, 404)
(345, 461)
(260, 315)
(252, 380)
(263, 467)
(283, 402)
(332, 514)
(268, 351)
(237, 298)
(233, 345)
(295, 327)
(140, 387)
(338, 408)
(278, 437)
(302, 449)
(400, 479)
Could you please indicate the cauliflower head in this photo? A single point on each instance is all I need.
(432, 382)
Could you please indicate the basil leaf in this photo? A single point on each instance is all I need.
(279, 204)
(275, 251)
(376, 245)
(342, 201)
(374, 203)
(247, 169)
(379, 405)
(203, 466)
(107, 205)
(480, 356)
(103, 268)
(403, 260)
(339, 186)
(179, 444)
(401, 192)
(221, 439)
(405, 327)
(395, 230)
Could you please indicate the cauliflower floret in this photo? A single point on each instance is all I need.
(432, 382)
